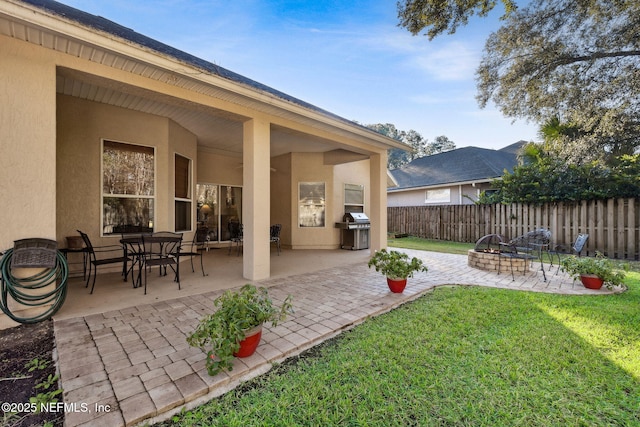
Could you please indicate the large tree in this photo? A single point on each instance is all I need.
(574, 60)
(420, 146)
(439, 145)
(437, 16)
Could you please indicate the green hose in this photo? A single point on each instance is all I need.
(15, 288)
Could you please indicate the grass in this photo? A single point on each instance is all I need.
(459, 356)
(431, 245)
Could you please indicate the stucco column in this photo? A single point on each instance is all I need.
(27, 145)
(378, 179)
(256, 197)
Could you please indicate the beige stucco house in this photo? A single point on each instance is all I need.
(79, 91)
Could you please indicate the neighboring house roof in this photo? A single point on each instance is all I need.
(467, 164)
(514, 148)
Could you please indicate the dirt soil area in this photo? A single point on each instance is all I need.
(26, 364)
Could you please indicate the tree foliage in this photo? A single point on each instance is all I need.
(438, 16)
(439, 145)
(543, 178)
(577, 61)
(420, 146)
(574, 60)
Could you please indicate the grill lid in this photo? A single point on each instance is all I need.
(355, 217)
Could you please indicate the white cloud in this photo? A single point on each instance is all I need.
(454, 61)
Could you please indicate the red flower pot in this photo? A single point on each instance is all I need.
(396, 285)
(250, 342)
(591, 281)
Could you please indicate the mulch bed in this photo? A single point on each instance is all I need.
(20, 346)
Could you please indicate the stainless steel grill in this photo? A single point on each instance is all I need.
(354, 231)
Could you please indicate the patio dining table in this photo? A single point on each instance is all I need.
(133, 247)
(147, 250)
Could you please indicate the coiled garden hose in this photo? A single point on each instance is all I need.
(30, 291)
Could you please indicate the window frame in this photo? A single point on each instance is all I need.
(104, 195)
(354, 207)
(438, 199)
(307, 191)
(186, 200)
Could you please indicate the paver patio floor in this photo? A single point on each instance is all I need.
(133, 364)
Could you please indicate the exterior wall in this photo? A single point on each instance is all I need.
(81, 127)
(27, 143)
(310, 167)
(417, 197)
(218, 169)
(349, 173)
(284, 204)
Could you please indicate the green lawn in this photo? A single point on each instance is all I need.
(459, 356)
(430, 245)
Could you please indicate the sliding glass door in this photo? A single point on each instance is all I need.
(217, 206)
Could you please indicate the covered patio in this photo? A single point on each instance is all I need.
(85, 95)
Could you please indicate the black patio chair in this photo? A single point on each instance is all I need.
(196, 246)
(162, 249)
(236, 235)
(275, 236)
(575, 249)
(529, 246)
(103, 255)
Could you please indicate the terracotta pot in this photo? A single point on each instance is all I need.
(396, 285)
(591, 281)
(250, 342)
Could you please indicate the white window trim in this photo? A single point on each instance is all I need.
(344, 196)
(132, 196)
(190, 191)
(435, 199)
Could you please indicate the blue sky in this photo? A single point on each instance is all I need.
(348, 57)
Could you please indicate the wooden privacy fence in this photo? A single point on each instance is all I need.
(612, 225)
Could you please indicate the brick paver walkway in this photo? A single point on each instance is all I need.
(127, 366)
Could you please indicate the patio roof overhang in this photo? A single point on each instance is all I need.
(208, 100)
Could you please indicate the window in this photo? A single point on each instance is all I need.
(311, 204)
(353, 198)
(442, 195)
(128, 180)
(182, 193)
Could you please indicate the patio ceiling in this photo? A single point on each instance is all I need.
(217, 131)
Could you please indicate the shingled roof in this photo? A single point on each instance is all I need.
(104, 25)
(465, 164)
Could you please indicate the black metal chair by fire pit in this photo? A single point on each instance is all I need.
(575, 249)
(529, 247)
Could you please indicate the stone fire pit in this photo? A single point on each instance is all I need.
(486, 256)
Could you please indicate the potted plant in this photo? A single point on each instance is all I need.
(593, 272)
(397, 267)
(235, 328)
